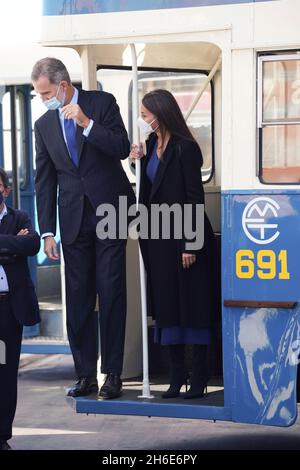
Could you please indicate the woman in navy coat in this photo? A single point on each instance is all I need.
(181, 282)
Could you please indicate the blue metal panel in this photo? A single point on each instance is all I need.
(266, 191)
(262, 223)
(76, 7)
(266, 344)
(261, 345)
(149, 408)
(46, 348)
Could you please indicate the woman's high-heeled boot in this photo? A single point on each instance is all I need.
(200, 374)
(178, 375)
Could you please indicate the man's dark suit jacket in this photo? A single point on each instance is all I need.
(100, 175)
(13, 257)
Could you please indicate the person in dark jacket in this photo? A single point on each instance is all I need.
(80, 142)
(181, 281)
(18, 301)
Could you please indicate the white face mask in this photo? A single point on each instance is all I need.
(54, 103)
(145, 127)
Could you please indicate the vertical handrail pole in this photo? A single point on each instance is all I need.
(135, 109)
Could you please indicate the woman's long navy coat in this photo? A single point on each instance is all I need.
(178, 296)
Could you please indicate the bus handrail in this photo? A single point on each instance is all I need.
(259, 303)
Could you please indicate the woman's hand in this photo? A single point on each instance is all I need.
(136, 152)
(22, 232)
(188, 260)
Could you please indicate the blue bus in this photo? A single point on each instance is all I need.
(236, 78)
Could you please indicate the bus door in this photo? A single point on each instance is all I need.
(184, 84)
(16, 157)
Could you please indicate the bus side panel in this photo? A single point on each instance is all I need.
(261, 263)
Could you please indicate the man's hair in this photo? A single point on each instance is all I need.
(51, 68)
(4, 178)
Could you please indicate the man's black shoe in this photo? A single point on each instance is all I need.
(84, 386)
(5, 446)
(112, 387)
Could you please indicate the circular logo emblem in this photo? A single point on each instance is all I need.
(257, 220)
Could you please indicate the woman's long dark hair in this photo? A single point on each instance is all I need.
(165, 108)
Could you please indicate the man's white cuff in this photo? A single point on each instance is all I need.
(88, 129)
(47, 234)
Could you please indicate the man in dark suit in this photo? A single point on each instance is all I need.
(79, 144)
(18, 302)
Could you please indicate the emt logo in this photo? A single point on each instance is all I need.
(258, 220)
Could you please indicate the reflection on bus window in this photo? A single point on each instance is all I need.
(22, 144)
(183, 85)
(37, 110)
(280, 162)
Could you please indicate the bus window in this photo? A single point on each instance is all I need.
(22, 144)
(37, 110)
(6, 130)
(279, 119)
(183, 85)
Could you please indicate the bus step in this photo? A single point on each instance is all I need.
(45, 345)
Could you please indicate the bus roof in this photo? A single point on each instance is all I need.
(122, 22)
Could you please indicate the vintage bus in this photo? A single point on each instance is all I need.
(19, 108)
(236, 77)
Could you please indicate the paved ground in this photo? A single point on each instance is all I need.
(44, 421)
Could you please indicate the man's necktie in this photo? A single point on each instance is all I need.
(70, 132)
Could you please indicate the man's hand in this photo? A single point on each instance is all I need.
(188, 260)
(23, 231)
(136, 152)
(74, 111)
(50, 248)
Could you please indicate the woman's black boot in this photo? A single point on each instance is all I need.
(178, 374)
(200, 372)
